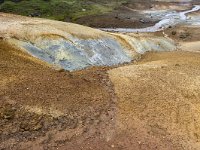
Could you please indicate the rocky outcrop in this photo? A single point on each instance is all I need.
(74, 47)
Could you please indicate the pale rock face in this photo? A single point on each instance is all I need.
(74, 47)
(80, 53)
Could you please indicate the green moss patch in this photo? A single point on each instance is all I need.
(59, 9)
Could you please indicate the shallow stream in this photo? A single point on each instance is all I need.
(170, 19)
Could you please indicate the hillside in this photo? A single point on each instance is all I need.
(63, 10)
(93, 13)
(69, 86)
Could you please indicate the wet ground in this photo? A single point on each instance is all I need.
(122, 17)
(130, 14)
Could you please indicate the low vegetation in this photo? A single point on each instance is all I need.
(63, 10)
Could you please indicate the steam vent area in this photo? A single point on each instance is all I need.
(100, 75)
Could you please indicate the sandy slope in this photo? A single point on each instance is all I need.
(152, 104)
(160, 96)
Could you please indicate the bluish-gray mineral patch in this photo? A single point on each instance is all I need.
(78, 53)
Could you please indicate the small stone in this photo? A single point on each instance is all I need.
(9, 114)
(37, 127)
(173, 32)
(24, 126)
(177, 65)
(162, 67)
(61, 70)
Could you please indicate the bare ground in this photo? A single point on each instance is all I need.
(152, 104)
(123, 17)
(131, 15)
(160, 96)
(42, 108)
(147, 105)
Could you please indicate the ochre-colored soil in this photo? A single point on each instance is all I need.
(159, 96)
(39, 104)
(151, 104)
(32, 83)
(146, 105)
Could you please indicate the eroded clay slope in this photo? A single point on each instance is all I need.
(72, 46)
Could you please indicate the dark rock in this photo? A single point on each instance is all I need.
(177, 65)
(173, 32)
(68, 19)
(16, 1)
(35, 14)
(1, 1)
(37, 127)
(184, 35)
(9, 113)
(61, 70)
(24, 126)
